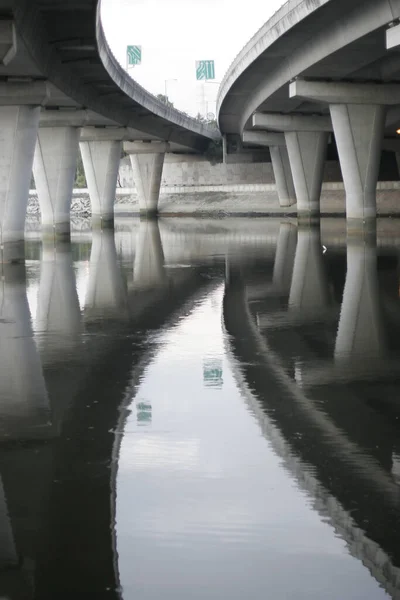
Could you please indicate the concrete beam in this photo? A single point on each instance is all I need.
(73, 118)
(346, 93)
(393, 37)
(278, 122)
(263, 138)
(155, 147)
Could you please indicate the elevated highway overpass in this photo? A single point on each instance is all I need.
(60, 85)
(319, 72)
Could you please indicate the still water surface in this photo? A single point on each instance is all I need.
(202, 410)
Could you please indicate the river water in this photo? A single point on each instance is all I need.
(202, 409)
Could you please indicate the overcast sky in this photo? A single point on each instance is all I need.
(175, 33)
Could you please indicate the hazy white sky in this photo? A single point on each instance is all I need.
(175, 33)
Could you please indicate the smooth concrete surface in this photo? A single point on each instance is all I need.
(309, 290)
(147, 173)
(300, 123)
(283, 175)
(359, 134)
(101, 163)
(54, 172)
(361, 330)
(343, 92)
(307, 154)
(18, 133)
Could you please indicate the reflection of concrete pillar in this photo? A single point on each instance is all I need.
(58, 306)
(18, 132)
(8, 551)
(284, 257)
(359, 133)
(106, 290)
(309, 289)
(283, 175)
(147, 160)
(101, 162)
(361, 328)
(24, 405)
(54, 170)
(149, 257)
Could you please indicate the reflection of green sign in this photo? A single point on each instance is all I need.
(143, 413)
(134, 55)
(205, 69)
(212, 373)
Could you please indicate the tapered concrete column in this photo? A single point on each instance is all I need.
(101, 162)
(280, 162)
(361, 332)
(147, 160)
(309, 291)
(359, 134)
(306, 141)
(149, 256)
(18, 133)
(284, 257)
(307, 154)
(106, 294)
(283, 175)
(54, 170)
(24, 402)
(58, 308)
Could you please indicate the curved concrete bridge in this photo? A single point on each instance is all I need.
(314, 68)
(61, 86)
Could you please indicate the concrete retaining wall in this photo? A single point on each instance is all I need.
(197, 171)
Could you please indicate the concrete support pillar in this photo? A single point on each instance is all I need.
(106, 294)
(149, 256)
(280, 162)
(284, 257)
(58, 308)
(18, 133)
(54, 170)
(307, 154)
(306, 140)
(101, 162)
(283, 175)
(147, 160)
(309, 291)
(359, 134)
(24, 402)
(361, 332)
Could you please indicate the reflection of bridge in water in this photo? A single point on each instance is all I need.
(67, 382)
(336, 443)
(64, 388)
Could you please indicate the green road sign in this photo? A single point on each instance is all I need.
(205, 69)
(134, 55)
